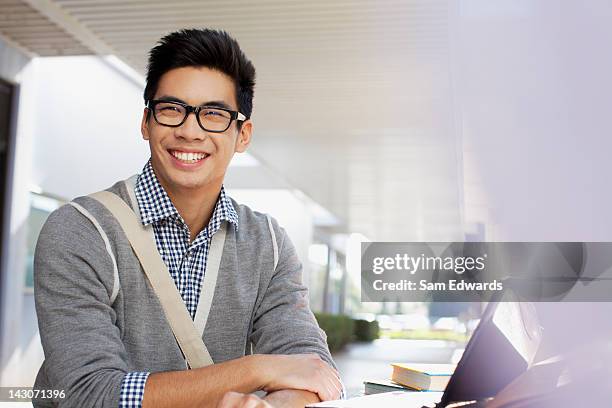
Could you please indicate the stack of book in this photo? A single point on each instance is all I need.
(413, 377)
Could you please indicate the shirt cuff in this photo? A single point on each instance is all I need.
(132, 389)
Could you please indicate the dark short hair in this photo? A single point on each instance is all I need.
(213, 49)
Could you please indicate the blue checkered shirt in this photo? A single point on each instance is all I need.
(186, 261)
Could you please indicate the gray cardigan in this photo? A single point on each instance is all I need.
(97, 323)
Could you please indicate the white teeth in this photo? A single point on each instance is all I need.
(189, 157)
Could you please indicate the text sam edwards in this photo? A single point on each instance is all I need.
(453, 285)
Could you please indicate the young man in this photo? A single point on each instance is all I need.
(106, 339)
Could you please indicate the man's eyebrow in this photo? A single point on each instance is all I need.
(217, 104)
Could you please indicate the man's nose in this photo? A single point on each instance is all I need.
(190, 129)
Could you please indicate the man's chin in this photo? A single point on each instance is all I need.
(189, 185)
(183, 183)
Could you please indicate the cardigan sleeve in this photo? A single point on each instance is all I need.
(84, 354)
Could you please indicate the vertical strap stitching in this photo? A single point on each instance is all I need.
(274, 243)
(91, 218)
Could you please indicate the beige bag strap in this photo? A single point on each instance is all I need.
(188, 338)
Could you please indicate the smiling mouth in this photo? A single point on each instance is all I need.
(188, 157)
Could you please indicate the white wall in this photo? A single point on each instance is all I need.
(87, 127)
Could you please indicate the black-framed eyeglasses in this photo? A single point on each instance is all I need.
(210, 118)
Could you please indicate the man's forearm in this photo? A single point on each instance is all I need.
(202, 387)
(291, 398)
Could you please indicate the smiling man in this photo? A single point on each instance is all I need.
(106, 339)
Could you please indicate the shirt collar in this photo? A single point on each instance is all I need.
(155, 204)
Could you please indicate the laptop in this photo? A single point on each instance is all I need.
(502, 347)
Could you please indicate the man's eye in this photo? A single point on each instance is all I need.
(212, 113)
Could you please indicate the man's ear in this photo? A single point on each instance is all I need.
(244, 136)
(144, 125)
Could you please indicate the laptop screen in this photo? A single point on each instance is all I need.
(502, 347)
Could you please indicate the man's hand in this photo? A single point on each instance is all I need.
(302, 372)
(238, 400)
(291, 398)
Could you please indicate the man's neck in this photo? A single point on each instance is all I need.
(196, 207)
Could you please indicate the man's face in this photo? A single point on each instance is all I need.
(194, 86)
